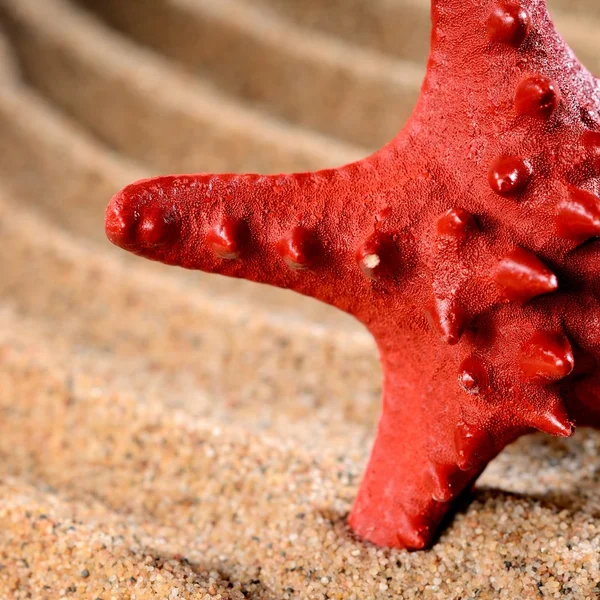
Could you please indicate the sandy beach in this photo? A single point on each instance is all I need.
(170, 434)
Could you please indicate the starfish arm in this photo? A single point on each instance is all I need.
(315, 233)
(499, 67)
(467, 33)
(443, 421)
(424, 455)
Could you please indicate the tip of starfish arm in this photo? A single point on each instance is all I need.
(410, 533)
(133, 224)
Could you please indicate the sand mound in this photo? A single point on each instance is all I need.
(166, 434)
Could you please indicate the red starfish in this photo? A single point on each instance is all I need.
(460, 245)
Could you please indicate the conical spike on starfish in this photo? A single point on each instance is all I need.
(470, 220)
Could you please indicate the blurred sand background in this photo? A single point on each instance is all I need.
(166, 434)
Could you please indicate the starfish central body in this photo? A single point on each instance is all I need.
(461, 246)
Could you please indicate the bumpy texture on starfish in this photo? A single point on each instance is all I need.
(461, 245)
